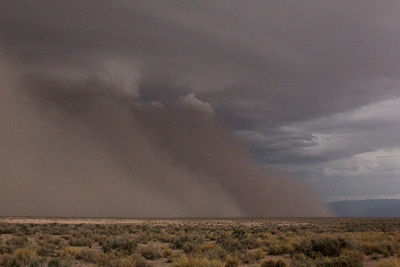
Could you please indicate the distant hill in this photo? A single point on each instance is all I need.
(367, 208)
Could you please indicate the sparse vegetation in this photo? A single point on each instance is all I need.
(195, 243)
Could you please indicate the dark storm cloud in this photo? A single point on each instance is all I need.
(266, 61)
(272, 71)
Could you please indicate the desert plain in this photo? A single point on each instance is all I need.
(319, 242)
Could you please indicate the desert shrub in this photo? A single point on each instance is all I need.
(26, 257)
(329, 247)
(124, 244)
(46, 249)
(87, 255)
(322, 247)
(112, 260)
(280, 244)
(190, 240)
(5, 259)
(251, 242)
(150, 252)
(385, 247)
(231, 244)
(79, 241)
(103, 259)
(271, 263)
(189, 247)
(56, 240)
(72, 251)
(18, 242)
(279, 248)
(258, 254)
(143, 237)
(166, 252)
(7, 249)
(341, 261)
(78, 253)
(217, 253)
(246, 258)
(174, 255)
(231, 261)
(135, 260)
(250, 257)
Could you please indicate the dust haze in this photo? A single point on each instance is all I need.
(78, 148)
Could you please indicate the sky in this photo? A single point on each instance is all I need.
(311, 87)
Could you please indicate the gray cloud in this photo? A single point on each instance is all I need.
(258, 58)
(352, 154)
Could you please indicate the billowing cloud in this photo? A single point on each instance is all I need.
(95, 152)
(191, 102)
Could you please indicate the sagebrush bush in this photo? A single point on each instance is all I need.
(80, 241)
(231, 244)
(18, 242)
(123, 244)
(150, 252)
(26, 257)
(324, 246)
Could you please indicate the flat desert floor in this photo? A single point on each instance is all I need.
(199, 242)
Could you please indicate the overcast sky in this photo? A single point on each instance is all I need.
(312, 86)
